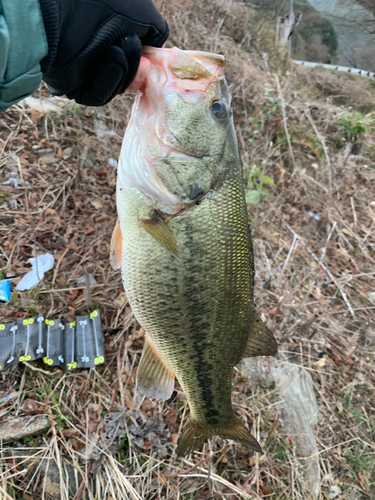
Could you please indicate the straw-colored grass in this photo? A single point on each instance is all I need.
(315, 262)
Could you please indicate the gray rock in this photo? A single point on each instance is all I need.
(298, 409)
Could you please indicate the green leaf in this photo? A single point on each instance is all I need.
(267, 180)
(253, 197)
(255, 171)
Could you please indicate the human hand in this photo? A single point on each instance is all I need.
(96, 45)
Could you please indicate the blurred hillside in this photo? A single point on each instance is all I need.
(332, 32)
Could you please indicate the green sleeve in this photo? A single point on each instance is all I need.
(23, 44)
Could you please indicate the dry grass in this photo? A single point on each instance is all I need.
(338, 88)
(313, 280)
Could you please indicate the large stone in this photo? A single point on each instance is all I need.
(298, 410)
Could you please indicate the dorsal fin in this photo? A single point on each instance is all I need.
(116, 247)
(261, 341)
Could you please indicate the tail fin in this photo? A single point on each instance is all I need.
(196, 434)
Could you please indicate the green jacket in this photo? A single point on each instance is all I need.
(23, 44)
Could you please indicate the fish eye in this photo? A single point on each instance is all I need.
(219, 110)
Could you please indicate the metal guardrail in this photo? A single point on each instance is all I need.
(354, 71)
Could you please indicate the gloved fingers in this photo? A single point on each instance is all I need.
(95, 46)
(110, 74)
(103, 85)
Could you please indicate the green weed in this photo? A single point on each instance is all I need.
(315, 144)
(352, 126)
(361, 462)
(191, 496)
(43, 391)
(283, 141)
(269, 109)
(4, 196)
(271, 106)
(31, 441)
(123, 452)
(256, 184)
(15, 300)
(282, 450)
(33, 311)
(358, 415)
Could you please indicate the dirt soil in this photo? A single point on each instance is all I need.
(310, 159)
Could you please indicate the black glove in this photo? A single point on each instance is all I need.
(95, 45)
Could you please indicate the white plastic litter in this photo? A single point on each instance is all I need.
(311, 214)
(102, 130)
(81, 281)
(13, 204)
(47, 105)
(112, 162)
(40, 265)
(13, 180)
(334, 490)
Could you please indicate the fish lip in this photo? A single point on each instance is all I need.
(173, 153)
(180, 153)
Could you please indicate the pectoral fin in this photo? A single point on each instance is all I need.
(261, 341)
(159, 230)
(154, 378)
(116, 247)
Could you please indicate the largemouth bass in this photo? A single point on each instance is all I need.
(183, 242)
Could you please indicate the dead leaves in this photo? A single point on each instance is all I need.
(121, 301)
(52, 488)
(96, 204)
(70, 433)
(171, 417)
(33, 407)
(73, 246)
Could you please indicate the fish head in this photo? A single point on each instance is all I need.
(175, 142)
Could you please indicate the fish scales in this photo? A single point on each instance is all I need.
(204, 295)
(194, 301)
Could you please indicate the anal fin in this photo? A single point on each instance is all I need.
(154, 378)
(159, 230)
(261, 341)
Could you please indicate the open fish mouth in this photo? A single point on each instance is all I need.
(187, 65)
(175, 139)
